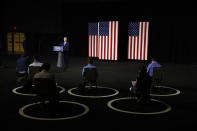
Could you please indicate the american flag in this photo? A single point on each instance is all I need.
(103, 40)
(138, 40)
(93, 39)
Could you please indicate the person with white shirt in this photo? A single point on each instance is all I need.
(36, 64)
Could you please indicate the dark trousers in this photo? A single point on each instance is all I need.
(66, 58)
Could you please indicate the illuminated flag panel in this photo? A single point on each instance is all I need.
(103, 40)
(138, 40)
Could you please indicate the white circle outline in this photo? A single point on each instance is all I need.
(86, 110)
(109, 104)
(177, 91)
(25, 94)
(116, 92)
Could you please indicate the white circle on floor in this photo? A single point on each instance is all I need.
(86, 110)
(177, 92)
(109, 104)
(115, 93)
(26, 94)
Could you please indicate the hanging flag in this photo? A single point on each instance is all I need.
(138, 40)
(103, 40)
(93, 39)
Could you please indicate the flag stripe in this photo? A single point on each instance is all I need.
(136, 46)
(133, 43)
(146, 49)
(107, 50)
(129, 47)
(110, 42)
(139, 43)
(142, 51)
(116, 36)
(89, 46)
(100, 49)
(93, 46)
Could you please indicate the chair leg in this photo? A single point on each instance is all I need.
(134, 97)
(153, 86)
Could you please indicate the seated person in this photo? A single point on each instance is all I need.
(88, 66)
(35, 63)
(141, 86)
(133, 88)
(44, 74)
(22, 68)
(22, 64)
(150, 67)
(33, 68)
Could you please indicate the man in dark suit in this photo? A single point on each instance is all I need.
(65, 46)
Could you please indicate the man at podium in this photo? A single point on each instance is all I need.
(65, 46)
(63, 52)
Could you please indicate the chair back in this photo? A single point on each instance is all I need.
(90, 74)
(33, 70)
(157, 75)
(45, 88)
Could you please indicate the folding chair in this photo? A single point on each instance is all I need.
(46, 90)
(157, 76)
(33, 70)
(90, 77)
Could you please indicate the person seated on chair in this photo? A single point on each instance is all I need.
(143, 84)
(22, 64)
(150, 67)
(89, 66)
(35, 64)
(45, 74)
(133, 87)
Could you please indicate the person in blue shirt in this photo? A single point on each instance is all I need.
(150, 67)
(22, 64)
(89, 65)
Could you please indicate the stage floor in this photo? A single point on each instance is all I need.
(112, 74)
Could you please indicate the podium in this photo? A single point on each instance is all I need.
(60, 59)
